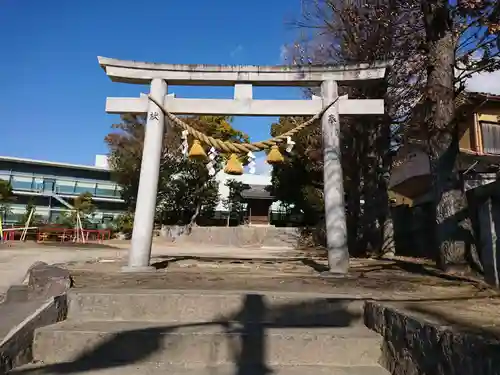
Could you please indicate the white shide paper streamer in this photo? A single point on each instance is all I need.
(212, 155)
(289, 144)
(184, 145)
(251, 162)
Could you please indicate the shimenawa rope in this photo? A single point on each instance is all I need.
(239, 148)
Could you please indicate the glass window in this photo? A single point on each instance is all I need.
(85, 187)
(490, 137)
(17, 208)
(22, 183)
(105, 190)
(38, 185)
(48, 184)
(5, 175)
(65, 187)
(12, 218)
(54, 218)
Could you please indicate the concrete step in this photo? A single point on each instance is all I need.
(236, 237)
(204, 344)
(287, 309)
(154, 369)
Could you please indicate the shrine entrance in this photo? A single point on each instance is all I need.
(158, 104)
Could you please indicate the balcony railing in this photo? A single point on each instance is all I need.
(35, 184)
(490, 133)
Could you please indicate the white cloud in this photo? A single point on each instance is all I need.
(484, 82)
(235, 52)
(262, 167)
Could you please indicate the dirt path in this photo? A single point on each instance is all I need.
(412, 284)
(17, 257)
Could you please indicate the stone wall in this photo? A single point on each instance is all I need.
(16, 346)
(41, 300)
(241, 236)
(414, 346)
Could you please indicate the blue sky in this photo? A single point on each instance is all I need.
(53, 92)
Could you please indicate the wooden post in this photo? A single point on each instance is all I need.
(26, 226)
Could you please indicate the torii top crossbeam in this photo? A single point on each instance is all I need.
(243, 78)
(129, 71)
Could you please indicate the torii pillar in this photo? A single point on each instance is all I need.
(336, 227)
(242, 78)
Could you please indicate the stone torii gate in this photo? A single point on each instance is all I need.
(243, 78)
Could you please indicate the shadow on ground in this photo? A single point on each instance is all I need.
(246, 327)
(413, 268)
(169, 260)
(160, 265)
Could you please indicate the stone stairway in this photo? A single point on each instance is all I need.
(206, 332)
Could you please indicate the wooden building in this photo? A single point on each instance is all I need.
(479, 133)
(478, 163)
(258, 201)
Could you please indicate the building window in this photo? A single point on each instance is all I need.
(22, 183)
(85, 187)
(65, 187)
(48, 185)
(5, 175)
(38, 184)
(106, 190)
(490, 132)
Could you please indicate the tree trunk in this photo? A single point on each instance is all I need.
(375, 166)
(352, 185)
(353, 221)
(369, 172)
(192, 221)
(453, 227)
(388, 247)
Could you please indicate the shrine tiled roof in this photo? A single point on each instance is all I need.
(256, 192)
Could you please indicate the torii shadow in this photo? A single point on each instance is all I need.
(245, 328)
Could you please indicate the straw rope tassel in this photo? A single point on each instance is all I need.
(197, 152)
(275, 156)
(234, 166)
